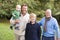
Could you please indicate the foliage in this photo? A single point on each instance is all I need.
(36, 6)
(5, 32)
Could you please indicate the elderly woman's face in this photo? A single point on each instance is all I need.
(48, 14)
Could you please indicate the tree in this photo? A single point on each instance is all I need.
(36, 6)
(6, 7)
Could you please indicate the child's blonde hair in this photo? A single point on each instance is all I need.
(32, 15)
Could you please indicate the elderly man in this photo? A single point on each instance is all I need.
(49, 26)
(20, 34)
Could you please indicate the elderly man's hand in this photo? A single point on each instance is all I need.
(57, 39)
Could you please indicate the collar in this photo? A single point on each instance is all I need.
(32, 24)
(47, 19)
(24, 15)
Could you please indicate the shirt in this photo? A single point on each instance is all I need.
(52, 27)
(33, 31)
(22, 23)
(16, 14)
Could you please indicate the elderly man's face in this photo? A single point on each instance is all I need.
(24, 9)
(48, 13)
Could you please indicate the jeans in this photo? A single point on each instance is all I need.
(47, 38)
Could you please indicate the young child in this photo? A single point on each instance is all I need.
(33, 30)
(15, 16)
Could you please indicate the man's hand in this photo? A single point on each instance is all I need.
(57, 38)
(17, 21)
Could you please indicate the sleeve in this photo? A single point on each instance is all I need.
(39, 31)
(13, 13)
(40, 22)
(12, 21)
(56, 26)
(27, 18)
(26, 31)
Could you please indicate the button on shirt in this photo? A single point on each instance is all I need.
(52, 27)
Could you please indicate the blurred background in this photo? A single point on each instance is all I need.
(36, 6)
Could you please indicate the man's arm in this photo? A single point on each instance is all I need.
(56, 26)
(12, 21)
(40, 22)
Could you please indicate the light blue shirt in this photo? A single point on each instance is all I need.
(52, 27)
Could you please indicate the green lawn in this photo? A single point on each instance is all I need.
(5, 32)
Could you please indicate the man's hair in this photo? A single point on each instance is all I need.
(23, 5)
(49, 10)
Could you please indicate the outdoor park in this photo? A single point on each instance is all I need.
(36, 6)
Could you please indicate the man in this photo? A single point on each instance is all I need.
(49, 26)
(20, 34)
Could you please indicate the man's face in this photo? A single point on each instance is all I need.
(24, 9)
(48, 14)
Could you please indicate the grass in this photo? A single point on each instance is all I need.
(5, 32)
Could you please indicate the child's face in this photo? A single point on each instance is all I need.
(32, 19)
(18, 8)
